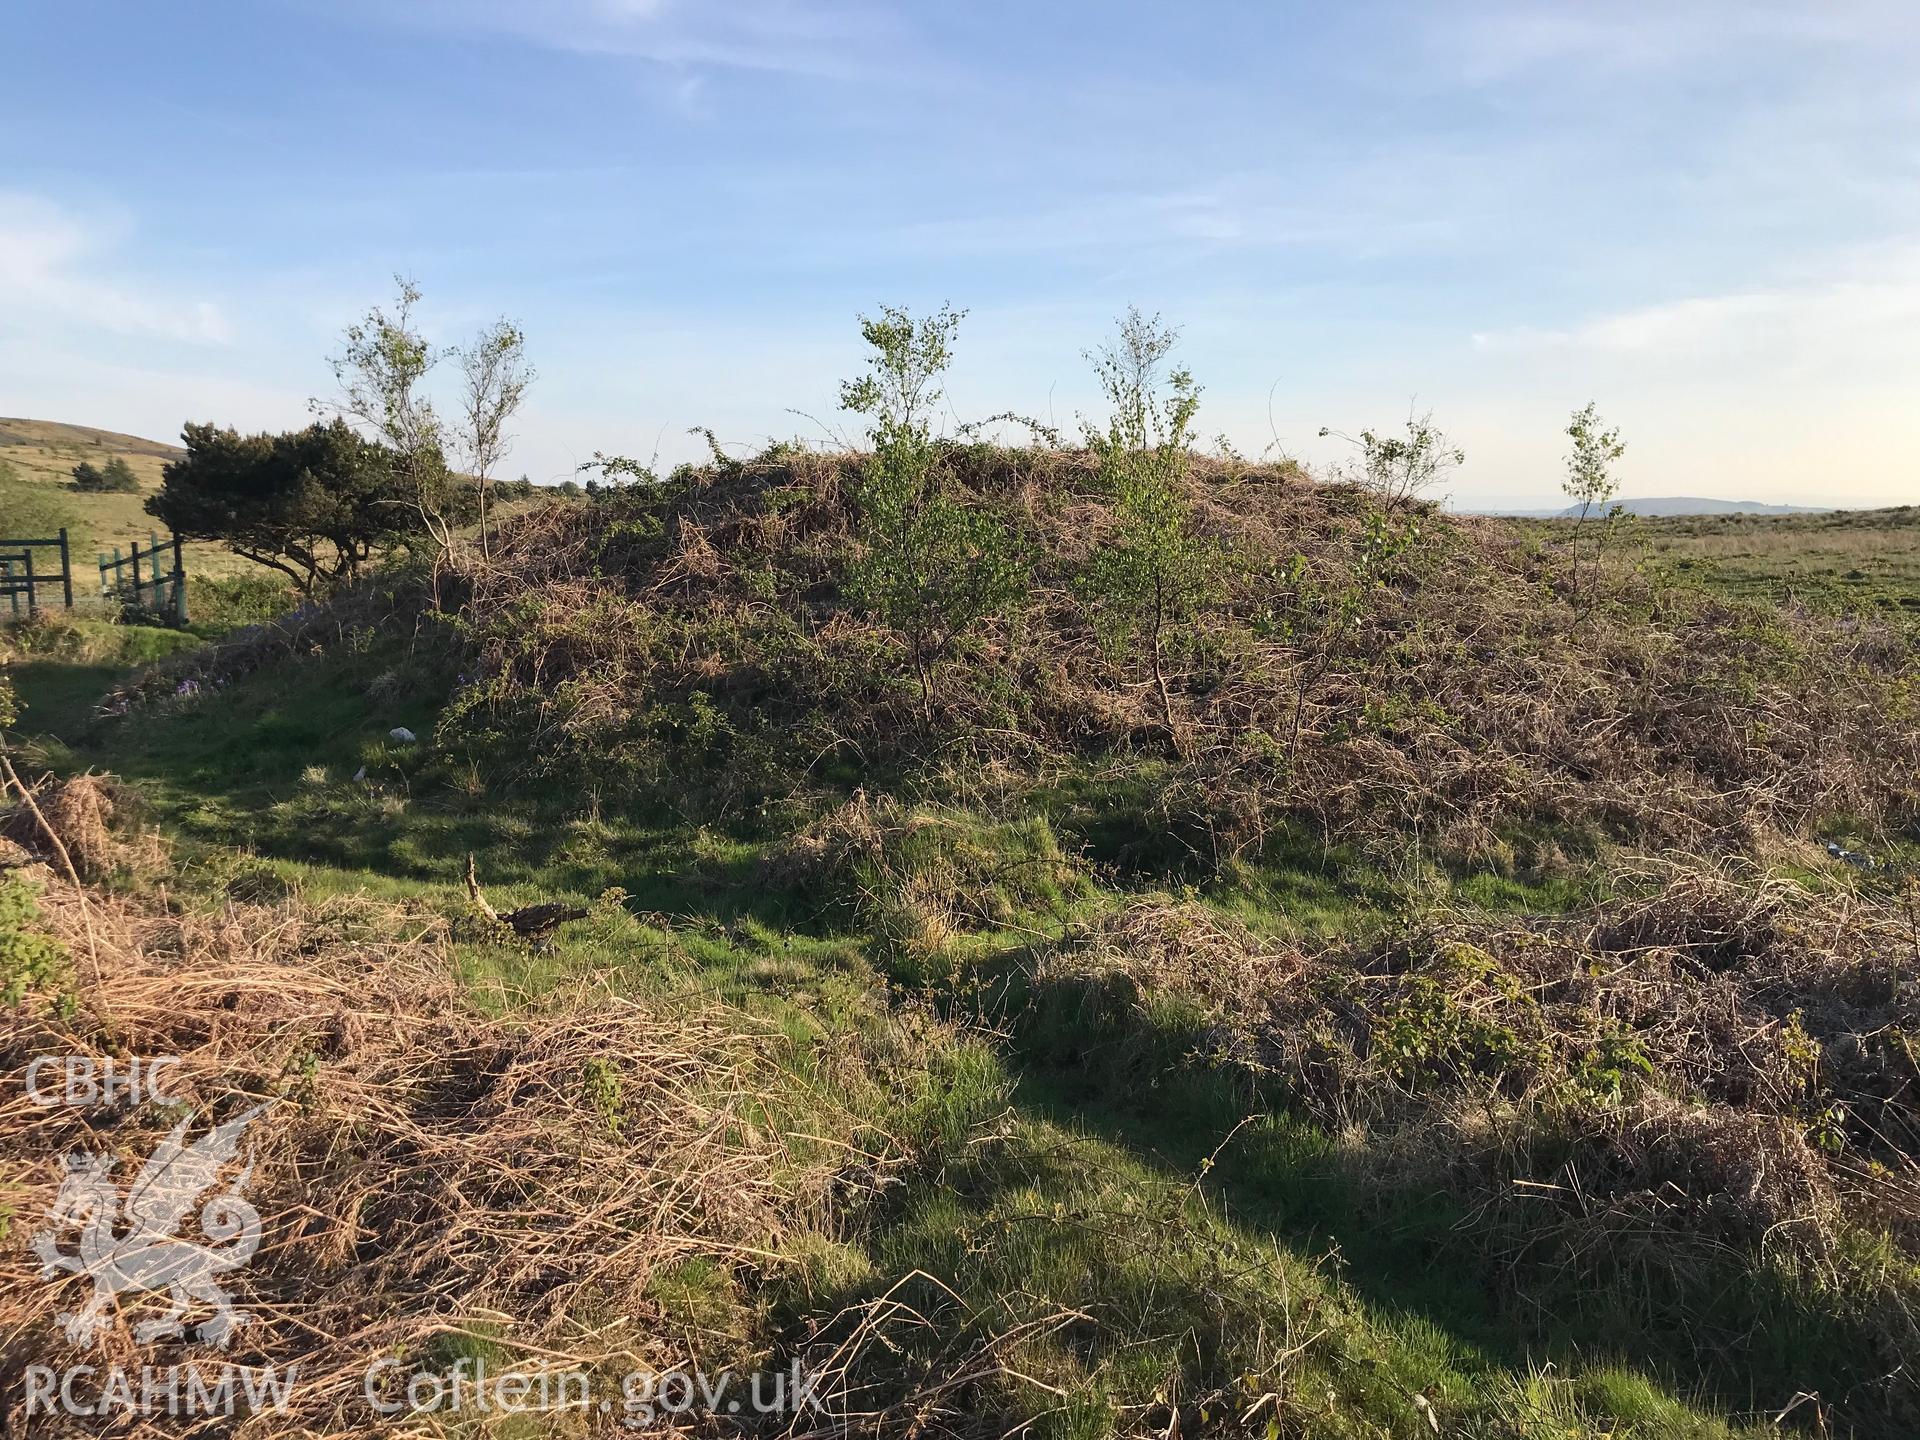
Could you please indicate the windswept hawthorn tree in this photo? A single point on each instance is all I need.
(315, 504)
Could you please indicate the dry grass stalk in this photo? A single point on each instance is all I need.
(423, 1170)
(1714, 1040)
(66, 820)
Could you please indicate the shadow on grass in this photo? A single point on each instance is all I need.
(267, 768)
(1733, 1334)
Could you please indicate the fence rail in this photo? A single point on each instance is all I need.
(19, 579)
(162, 590)
(153, 576)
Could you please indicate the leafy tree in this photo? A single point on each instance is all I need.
(1156, 571)
(494, 378)
(116, 478)
(1590, 481)
(931, 566)
(314, 504)
(1398, 469)
(382, 371)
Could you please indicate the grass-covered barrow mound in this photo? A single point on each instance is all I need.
(1381, 668)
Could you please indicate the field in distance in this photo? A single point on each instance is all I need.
(1830, 558)
(36, 496)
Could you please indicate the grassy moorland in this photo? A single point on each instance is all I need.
(1840, 559)
(37, 497)
(1410, 996)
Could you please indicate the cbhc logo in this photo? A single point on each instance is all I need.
(83, 1080)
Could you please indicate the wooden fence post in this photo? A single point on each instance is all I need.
(33, 600)
(179, 584)
(66, 568)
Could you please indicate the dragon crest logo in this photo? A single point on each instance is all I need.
(148, 1256)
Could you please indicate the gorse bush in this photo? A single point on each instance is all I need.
(227, 602)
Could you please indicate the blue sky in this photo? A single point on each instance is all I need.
(1705, 215)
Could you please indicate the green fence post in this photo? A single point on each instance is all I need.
(179, 584)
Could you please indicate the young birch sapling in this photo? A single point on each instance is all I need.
(1590, 481)
(930, 566)
(1155, 573)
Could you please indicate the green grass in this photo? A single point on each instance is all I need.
(36, 465)
(62, 668)
(1074, 1173)
(1842, 560)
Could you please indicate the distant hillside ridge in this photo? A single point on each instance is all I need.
(1666, 507)
(51, 434)
(37, 498)
(1697, 505)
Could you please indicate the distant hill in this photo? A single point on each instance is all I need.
(1669, 505)
(36, 495)
(1696, 505)
(84, 441)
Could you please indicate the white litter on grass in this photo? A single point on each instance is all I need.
(1851, 857)
(402, 734)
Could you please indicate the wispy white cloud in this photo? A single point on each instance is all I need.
(1352, 212)
(55, 266)
(1505, 39)
(820, 38)
(1863, 318)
